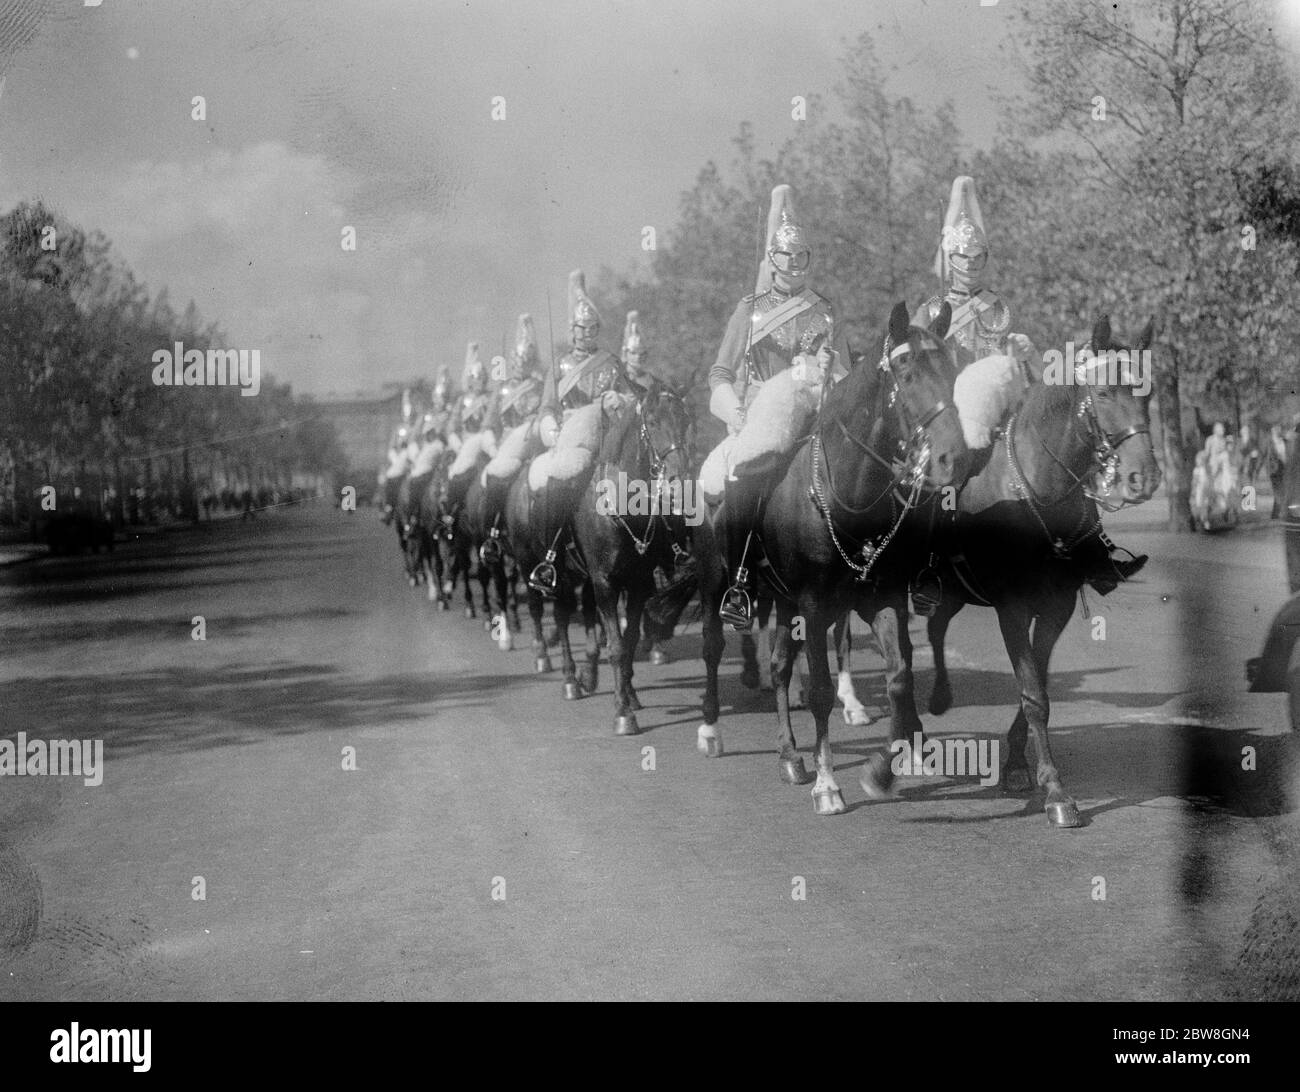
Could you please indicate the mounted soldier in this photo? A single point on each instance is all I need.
(765, 386)
(569, 424)
(996, 370)
(512, 417)
(469, 421)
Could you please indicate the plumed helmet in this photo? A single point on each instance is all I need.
(583, 316)
(442, 389)
(963, 248)
(788, 251)
(633, 340)
(474, 377)
(526, 356)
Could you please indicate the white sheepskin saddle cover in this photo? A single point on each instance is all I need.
(511, 453)
(574, 451)
(472, 446)
(777, 417)
(985, 392)
(428, 458)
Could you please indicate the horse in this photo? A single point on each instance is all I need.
(495, 568)
(424, 532)
(528, 548)
(631, 521)
(1018, 519)
(883, 434)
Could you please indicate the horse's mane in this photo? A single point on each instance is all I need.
(618, 428)
(857, 389)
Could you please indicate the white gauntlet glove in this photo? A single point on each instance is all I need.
(725, 405)
(1019, 346)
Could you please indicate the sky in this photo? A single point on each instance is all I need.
(377, 114)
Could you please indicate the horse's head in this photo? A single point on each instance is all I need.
(668, 430)
(1117, 381)
(919, 373)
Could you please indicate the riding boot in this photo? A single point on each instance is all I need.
(494, 496)
(742, 501)
(1103, 566)
(552, 517)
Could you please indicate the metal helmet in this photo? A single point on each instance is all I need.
(442, 389)
(788, 255)
(963, 248)
(474, 378)
(635, 346)
(526, 357)
(584, 319)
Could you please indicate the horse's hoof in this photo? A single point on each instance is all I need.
(448, 587)
(793, 771)
(488, 623)
(857, 716)
(828, 802)
(1016, 779)
(542, 665)
(433, 593)
(873, 786)
(470, 612)
(443, 605)
(626, 725)
(1063, 813)
(572, 690)
(708, 741)
(412, 581)
(749, 677)
(659, 657)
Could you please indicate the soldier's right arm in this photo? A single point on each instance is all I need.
(724, 400)
(549, 415)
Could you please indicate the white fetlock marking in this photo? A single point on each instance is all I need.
(845, 692)
(824, 784)
(708, 740)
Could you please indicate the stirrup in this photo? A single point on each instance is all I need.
(927, 593)
(543, 579)
(490, 551)
(737, 608)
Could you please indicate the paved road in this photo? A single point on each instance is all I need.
(224, 760)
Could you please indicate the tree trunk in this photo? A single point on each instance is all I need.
(1177, 483)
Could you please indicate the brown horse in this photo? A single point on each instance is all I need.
(885, 432)
(1017, 522)
(629, 520)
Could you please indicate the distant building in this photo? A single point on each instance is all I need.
(364, 424)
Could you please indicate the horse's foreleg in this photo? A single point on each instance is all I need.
(785, 650)
(827, 798)
(462, 563)
(1031, 660)
(542, 658)
(637, 594)
(855, 712)
(936, 630)
(595, 638)
(890, 627)
(563, 607)
(749, 673)
(605, 598)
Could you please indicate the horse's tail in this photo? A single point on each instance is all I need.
(664, 609)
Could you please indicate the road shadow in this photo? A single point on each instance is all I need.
(191, 709)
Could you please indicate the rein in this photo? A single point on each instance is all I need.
(1103, 453)
(908, 471)
(659, 475)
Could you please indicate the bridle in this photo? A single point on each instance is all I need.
(908, 469)
(658, 474)
(1104, 457)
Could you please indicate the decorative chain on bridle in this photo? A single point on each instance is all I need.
(1104, 452)
(907, 473)
(659, 478)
